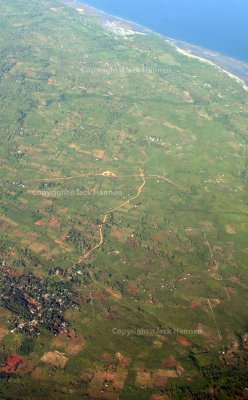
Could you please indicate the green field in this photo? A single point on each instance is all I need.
(123, 215)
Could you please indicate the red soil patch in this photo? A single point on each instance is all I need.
(160, 382)
(107, 384)
(113, 308)
(33, 234)
(100, 296)
(13, 273)
(56, 174)
(194, 305)
(98, 153)
(26, 367)
(131, 289)
(124, 362)
(106, 357)
(87, 377)
(33, 150)
(51, 81)
(41, 222)
(11, 254)
(183, 341)
(38, 247)
(116, 295)
(34, 165)
(158, 239)
(68, 124)
(64, 236)
(54, 222)
(112, 317)
(12, 363)
(63, 245)
(18, 233)
(43, 169)
(169, 362)
(157, 378)
(121, 234)
(132, 242)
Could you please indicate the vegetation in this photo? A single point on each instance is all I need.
(123, 214)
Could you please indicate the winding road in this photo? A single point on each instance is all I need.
(105, 216)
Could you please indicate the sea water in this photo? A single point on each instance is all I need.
(219, 25)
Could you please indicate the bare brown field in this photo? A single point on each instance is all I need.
(55, 358)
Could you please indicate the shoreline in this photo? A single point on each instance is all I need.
(126, 27)
(187, 50)
(202, 59)
(106, 17)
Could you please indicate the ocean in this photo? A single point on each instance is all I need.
(218, 25)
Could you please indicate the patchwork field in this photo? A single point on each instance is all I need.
(123, 215)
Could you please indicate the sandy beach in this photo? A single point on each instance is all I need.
(125, 27)
(188, 54)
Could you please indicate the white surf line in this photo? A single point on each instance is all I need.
(205, 60)
(171, 41)
(213, 258)
(215, 322)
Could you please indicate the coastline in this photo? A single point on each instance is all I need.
(235, 69)
(106, 18)
(189, 54)
(196, 52)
